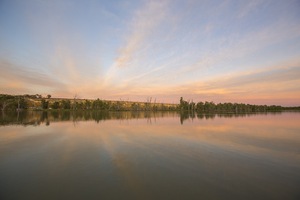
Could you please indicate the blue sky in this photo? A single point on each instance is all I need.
(238, 51)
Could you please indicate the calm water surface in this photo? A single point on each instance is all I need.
(95, 155)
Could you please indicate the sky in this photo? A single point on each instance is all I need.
(220, 51)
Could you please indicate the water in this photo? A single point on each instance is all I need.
(164, 155)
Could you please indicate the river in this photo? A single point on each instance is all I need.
(149, 155)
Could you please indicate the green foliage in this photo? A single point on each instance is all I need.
(118, 106)
(184, 105)
(87, 104)
(226, 107)
(44, 104)
(55, 105)
(22, 104)
(135, 107)
(78, 105)
(100, 105)
(12, 102)
(66, 104)
(200, 106)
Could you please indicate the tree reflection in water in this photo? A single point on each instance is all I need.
(47, 117)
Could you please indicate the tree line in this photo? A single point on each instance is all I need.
(206, 106)
(48, 116)
(37, 102)
(12, 102)
(99, 104)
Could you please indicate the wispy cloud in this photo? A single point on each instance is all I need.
(18, 78)
(194, 51)
(164, 49)
(269, 83)
(249, 7)
(235, 46)
(144, 22)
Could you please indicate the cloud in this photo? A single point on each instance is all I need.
(162, 49)
(232, 47)
(249, 7)
(18, 78)
(272, 83)
(131, 60)
(144, 22)
(192, 51)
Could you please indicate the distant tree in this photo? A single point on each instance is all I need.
(75, 102)
(87, 104)
(79, 105)
(200, 106)
(45, 104)
(192, 106)
(66, 104)
(184, 105)
(95, 104)
(21, 103)
(148, 103)
(5, 102)
(209, 106)
(49, 96)
(55, 105)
